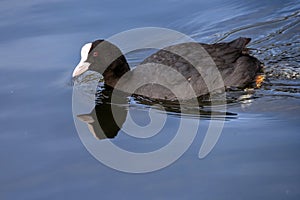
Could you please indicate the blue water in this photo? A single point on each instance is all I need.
(42, 157)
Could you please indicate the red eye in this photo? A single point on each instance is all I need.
(95, 54)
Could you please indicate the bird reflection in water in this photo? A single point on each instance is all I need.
(111, 108)
(101, 121)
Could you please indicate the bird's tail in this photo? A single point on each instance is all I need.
(240, 43)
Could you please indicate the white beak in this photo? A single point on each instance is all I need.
(80, 69)
(83, 66)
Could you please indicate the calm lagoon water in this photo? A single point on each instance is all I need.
(42, 157)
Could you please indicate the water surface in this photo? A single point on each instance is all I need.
(42, 157)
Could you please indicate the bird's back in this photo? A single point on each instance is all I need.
(236, 67)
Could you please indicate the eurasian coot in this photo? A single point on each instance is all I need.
(235, 66)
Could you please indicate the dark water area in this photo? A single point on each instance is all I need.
(42, 157)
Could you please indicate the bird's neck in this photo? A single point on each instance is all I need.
(115, 71)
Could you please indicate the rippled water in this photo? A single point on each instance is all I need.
(42, 157)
